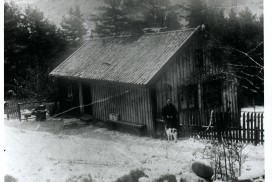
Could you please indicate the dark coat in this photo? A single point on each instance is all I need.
(169, 113)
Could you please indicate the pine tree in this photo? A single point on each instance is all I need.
(31, 43)
(118, 17)
(73, 26)
(197, 13)
(111, 20)
(239, 36)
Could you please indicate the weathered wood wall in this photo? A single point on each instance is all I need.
(65, 102)
(131, 103)
(184, 70)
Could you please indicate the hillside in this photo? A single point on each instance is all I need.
(54, 10)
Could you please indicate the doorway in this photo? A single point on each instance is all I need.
(87, 99)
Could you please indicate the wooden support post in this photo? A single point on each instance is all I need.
(19, 111)
(153, 103)
(80, 98)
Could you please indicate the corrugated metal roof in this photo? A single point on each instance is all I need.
(130, 59)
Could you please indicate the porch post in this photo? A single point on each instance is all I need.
(153, 101)
(80, 98)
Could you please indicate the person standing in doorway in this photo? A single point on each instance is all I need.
(169, 113)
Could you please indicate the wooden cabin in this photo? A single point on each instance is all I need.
(133, 76)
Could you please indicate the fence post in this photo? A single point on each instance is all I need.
(252, 128)
(19, 111)
(248, 128)
(7, 109)
(214, 124)
(244, 127)
(262, 130)
(255, 129)
(237, 127)
(256, 136)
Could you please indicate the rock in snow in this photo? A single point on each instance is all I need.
(202, 170)
(191, 177)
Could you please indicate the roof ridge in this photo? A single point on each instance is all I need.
(172, 31)
(111, 37)
(123, 36)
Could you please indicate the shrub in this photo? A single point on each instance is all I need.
(225, 157)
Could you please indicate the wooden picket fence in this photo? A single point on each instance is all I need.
(11, 110)
(14, 110)
(247, 128)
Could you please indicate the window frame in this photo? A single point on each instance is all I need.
(188, 97)
(212, 93)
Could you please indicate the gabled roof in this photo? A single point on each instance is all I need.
(134, 60)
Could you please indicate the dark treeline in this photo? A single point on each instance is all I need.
(34, 45)
(120, 17)
(239, 38)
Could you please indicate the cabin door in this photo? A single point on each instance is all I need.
(87, 99)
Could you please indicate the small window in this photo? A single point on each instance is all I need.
(188, 97)
(212, 94)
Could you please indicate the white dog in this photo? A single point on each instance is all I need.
(171, 133)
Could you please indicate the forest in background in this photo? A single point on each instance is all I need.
(34, 45)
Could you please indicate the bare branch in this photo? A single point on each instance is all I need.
(244, 53)
(252, 50)
(240, 65)
(259, 77)
(234, 75)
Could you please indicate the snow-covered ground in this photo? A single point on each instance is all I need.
(45, 151)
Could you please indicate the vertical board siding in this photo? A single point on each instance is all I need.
(132, 104)
(183, 70)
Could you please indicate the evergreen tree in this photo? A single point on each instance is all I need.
(31, 43)
(15, 33)
(161, 14)
(73, 26)
(197, 13)
(44, 41)
(120, 17)
(240, 40)
(111, 20)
